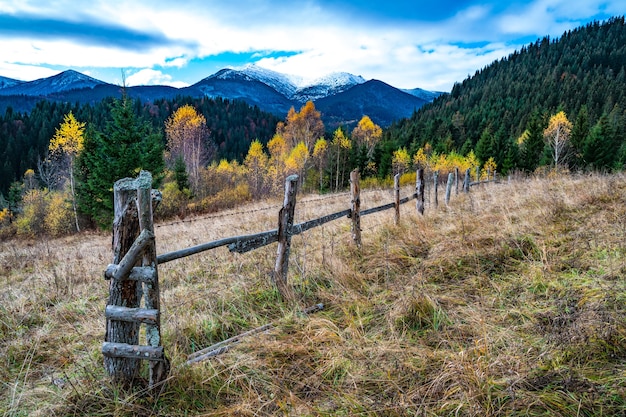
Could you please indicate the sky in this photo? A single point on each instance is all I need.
(408, 44)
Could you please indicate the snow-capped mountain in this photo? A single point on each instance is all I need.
(8, 82)
(329, 85)
(342, 97)
(424, 94)
(294, 87)
(285, 84)
(65, 81)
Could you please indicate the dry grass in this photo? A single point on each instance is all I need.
(508, 302)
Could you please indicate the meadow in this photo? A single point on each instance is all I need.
(509, 301)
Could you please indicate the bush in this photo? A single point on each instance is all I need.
(174, 201)
(30, 222)
(225, 199)
(59, 216)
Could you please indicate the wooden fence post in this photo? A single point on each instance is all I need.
(285, 222)
(436, 187)
(356, 207)
(159, 370)
(133, 249)
(419, 191)
(477, 174)
(456, 179)
(466, 181)
(396, 190)
(449, 187)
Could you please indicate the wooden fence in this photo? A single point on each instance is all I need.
(133, 274)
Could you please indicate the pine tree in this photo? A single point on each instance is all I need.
(599, 149)
(127, 146)
(533, 145)
(180, 174)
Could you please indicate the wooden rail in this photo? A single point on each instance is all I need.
(134, 273)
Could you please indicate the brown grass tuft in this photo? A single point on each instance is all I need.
(510, 301)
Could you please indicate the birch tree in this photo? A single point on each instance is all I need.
(68, 142)
(187, 137)
(557, 136)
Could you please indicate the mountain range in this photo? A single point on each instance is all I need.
(342, 98)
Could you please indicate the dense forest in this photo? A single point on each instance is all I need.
(25, 137)
(582, 73)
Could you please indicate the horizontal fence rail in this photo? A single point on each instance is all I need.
(247, 243)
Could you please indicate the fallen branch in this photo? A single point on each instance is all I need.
(225, 345)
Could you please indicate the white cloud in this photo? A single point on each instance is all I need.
(148, 76)
(319, 40)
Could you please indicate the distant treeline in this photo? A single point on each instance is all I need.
(24, 137)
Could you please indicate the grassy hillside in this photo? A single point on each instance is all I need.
(508, 302)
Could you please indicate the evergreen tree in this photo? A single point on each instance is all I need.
(533, 144)
(127, 146)
(599, 146)
(484, 146)
(580, 131)
(180, 174)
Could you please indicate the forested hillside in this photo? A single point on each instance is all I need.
(582, 73)
(24, 137)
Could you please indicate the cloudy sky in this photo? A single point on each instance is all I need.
(427, 44)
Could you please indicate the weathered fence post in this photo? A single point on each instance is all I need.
(285, 222)
(419, 191)
(466, 181)
(159, 370)
(396, 190)
(477, 174)
(134, 262)
(356, 207)
(436, 187)
(449, 187)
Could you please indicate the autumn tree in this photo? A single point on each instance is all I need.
(256, 163)
(401, 161)
(297, 160)
(319, 155)
(368, 134)
(557, 136)
(341, 144)
(68, 142)
(303, 126)
(188, 137)
(279, 152)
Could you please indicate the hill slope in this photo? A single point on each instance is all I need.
(585, 67)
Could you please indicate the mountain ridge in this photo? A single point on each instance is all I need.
(269, 90)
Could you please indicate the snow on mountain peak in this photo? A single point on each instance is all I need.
(299, 88)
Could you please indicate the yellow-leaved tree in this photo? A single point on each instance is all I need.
(319, 155)
(256, 163)
(279, 151)
(68, 142)
(341, 143)
(303, 126)
(367, 133)
(557, 136)
(420, 160)
(296, 162)
(188, 138)
(401, 161)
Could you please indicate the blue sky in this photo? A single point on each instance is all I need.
(408, 44)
